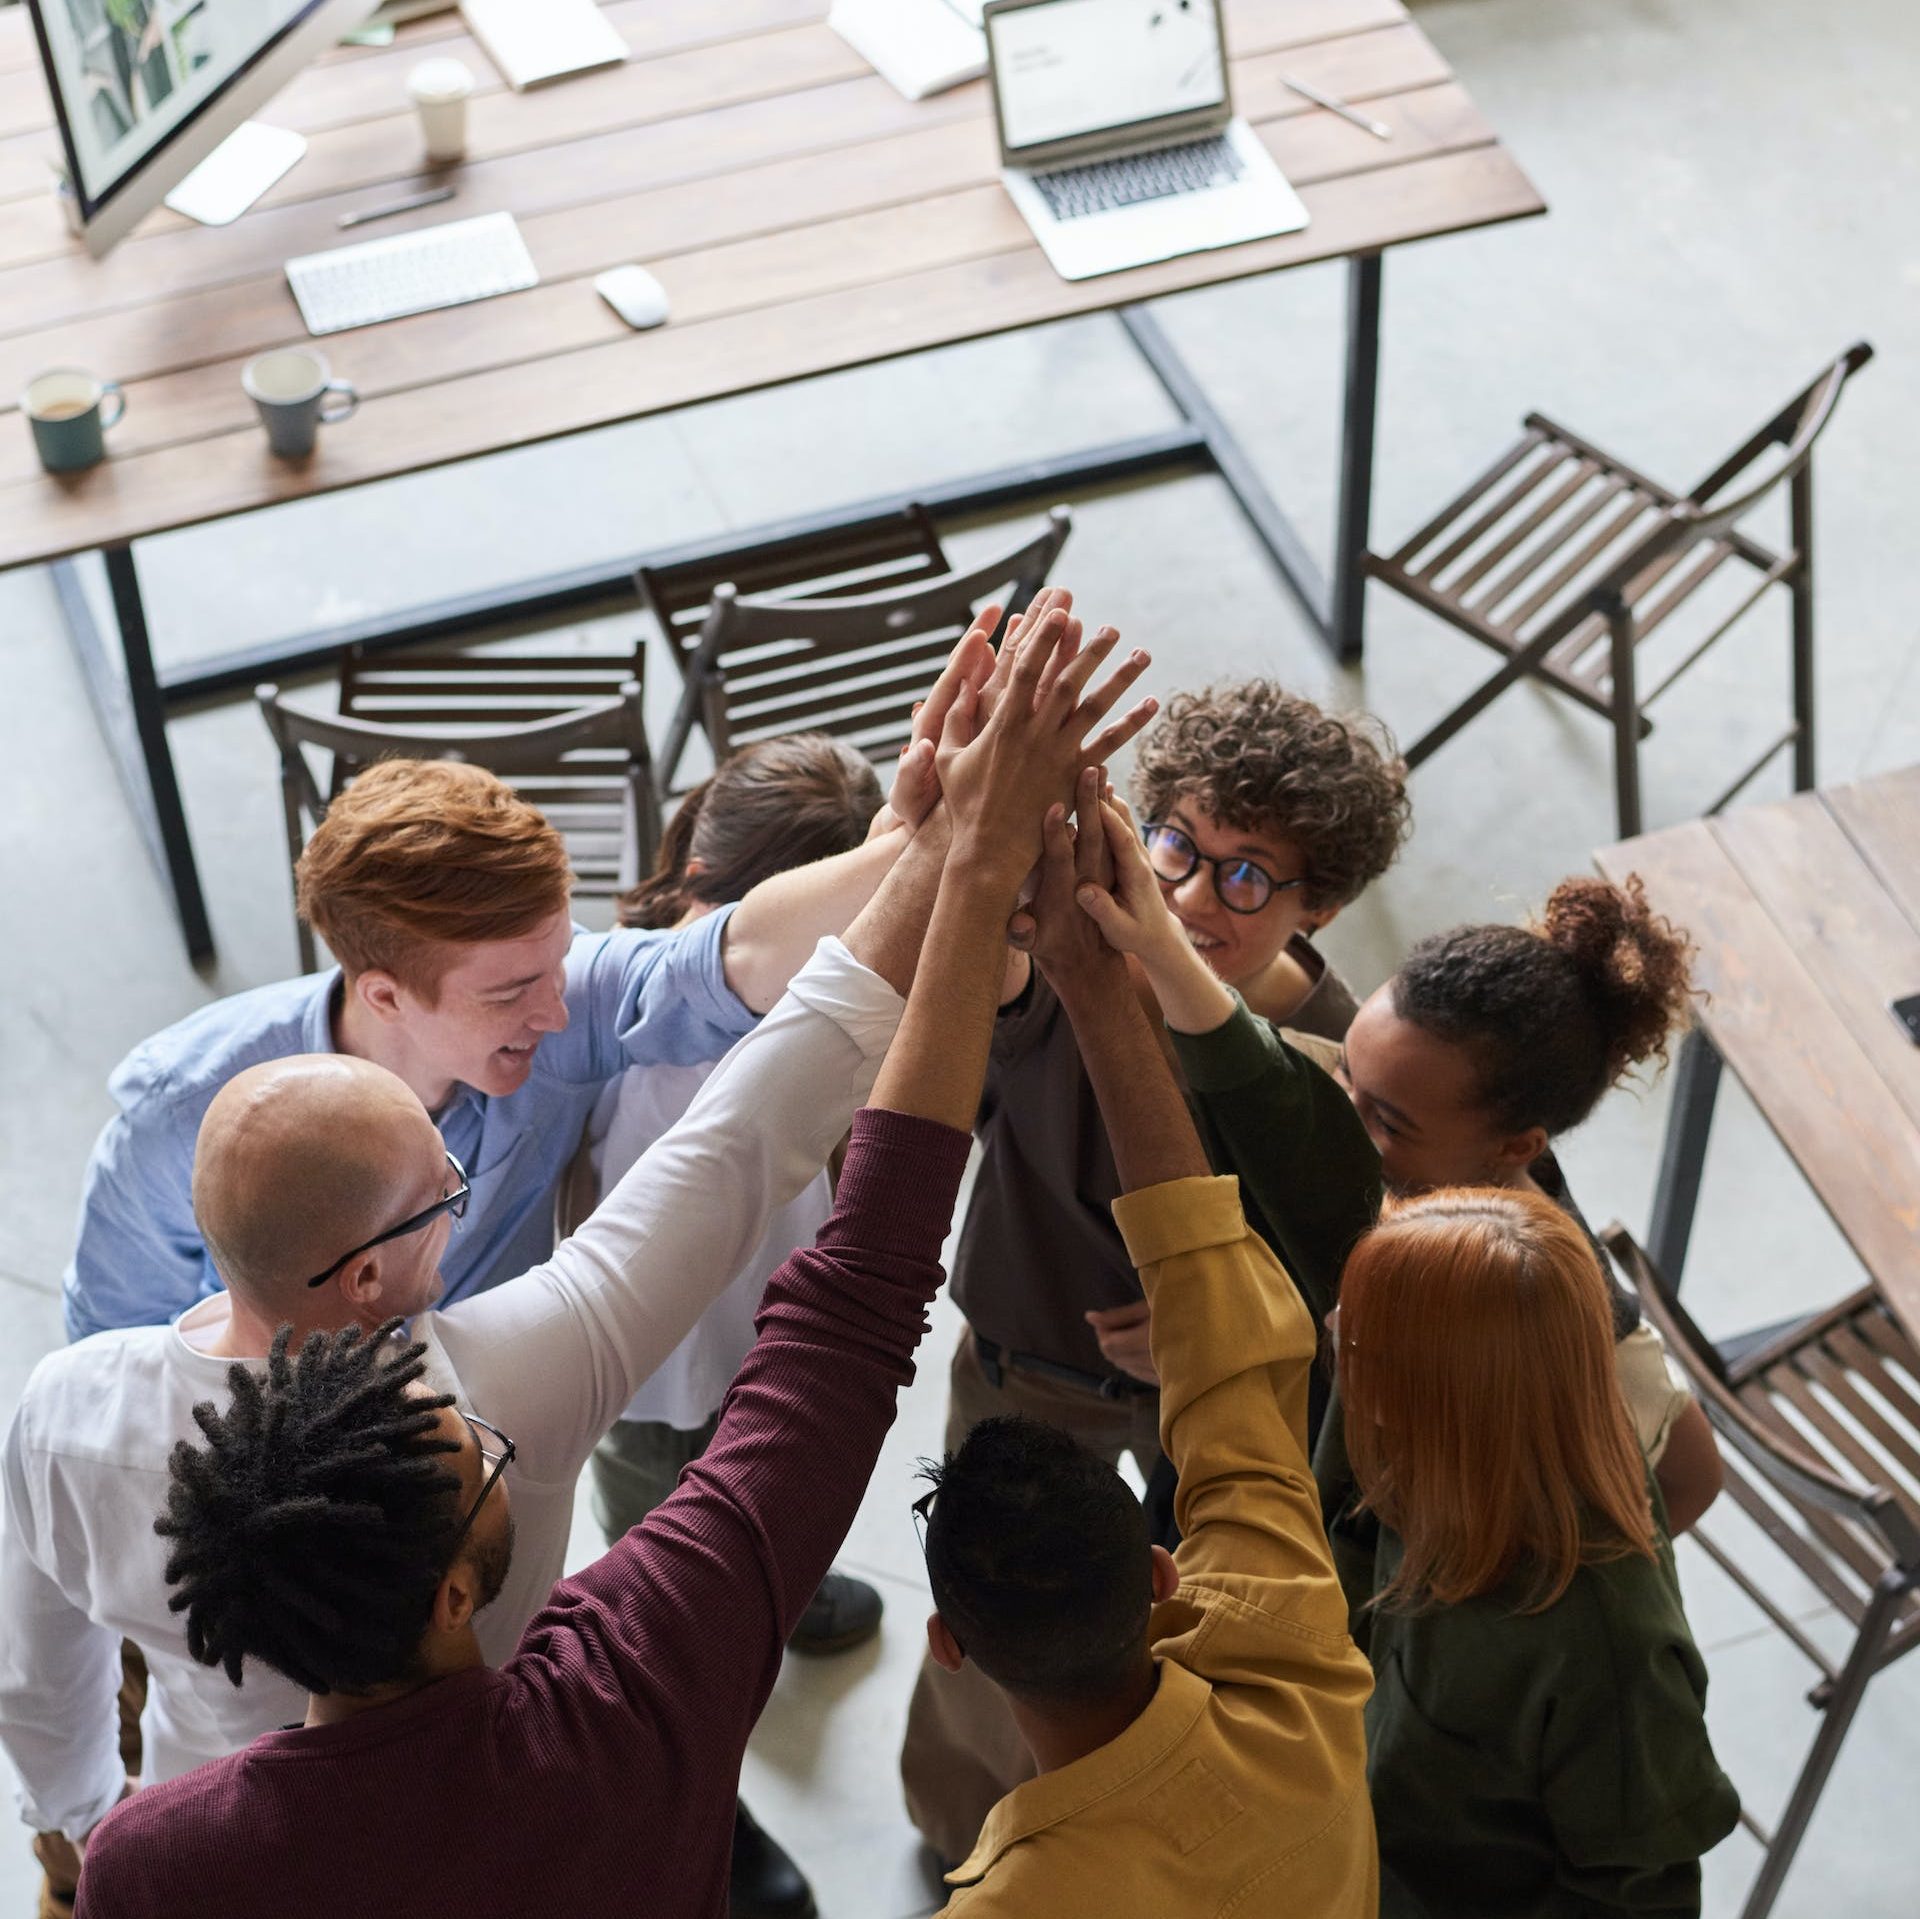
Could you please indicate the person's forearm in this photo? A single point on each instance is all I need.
(1145, 1112)
(892, 926)
(1192, 998)
(774, 930)
(938, 1060)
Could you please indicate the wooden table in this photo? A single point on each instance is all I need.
(1807, 916)
(802, 216)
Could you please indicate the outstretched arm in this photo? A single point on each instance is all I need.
(1231, 1337)
(696, 1603)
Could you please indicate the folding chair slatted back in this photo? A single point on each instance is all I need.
(849, 664)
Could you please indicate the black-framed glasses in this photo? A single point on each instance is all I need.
(1242, 885)
(454, 1205)
(496, 1458)
(922, 1511)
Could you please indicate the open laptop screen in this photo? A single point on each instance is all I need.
(1066, 68)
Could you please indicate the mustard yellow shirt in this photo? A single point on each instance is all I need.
(1242, 1788)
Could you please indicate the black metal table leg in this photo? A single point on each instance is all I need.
(133, 721)
(1696, 1081)
(1347, 614)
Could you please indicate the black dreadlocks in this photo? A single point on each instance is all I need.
(313, 1528)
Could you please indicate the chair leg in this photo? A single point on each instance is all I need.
(1801, 495)
(1836, 1721)
(1626, 727)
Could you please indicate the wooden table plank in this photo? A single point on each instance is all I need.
(1882, 818)
(642, 374)
(1782, 1038)
(384, 150)
(940, 217)
(1832, 909)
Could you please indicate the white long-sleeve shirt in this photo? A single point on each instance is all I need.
(686, 1388)
(551, 1358)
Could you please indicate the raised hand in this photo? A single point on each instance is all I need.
(1000, 775)
(1064, 940)
(1133, 917)
(916, 784)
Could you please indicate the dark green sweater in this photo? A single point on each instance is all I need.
(1523, 1766)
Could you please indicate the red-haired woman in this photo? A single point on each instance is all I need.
(1536, 1739)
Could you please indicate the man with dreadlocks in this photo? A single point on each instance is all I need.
(346, 1530)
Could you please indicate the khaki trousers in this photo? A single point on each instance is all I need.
(58, 1856)
(963, 1753)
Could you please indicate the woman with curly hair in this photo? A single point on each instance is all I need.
(1266, 816)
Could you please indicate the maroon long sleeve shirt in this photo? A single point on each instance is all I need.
(595, 1772)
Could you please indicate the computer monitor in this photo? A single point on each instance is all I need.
(144, 90)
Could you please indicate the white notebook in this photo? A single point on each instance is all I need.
(534, 41)
(917, 46)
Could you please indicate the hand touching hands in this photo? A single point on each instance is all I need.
(999, 775)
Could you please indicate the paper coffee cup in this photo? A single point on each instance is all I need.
(440, 88)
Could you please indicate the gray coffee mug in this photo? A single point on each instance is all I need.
(69, 412)
(294, 392)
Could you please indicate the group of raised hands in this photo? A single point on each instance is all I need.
(1009, 741)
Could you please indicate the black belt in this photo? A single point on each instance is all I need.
(995, 1360)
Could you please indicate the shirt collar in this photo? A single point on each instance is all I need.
(1178, 1701)
(316, 1033)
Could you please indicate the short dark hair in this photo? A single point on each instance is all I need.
(1039, 1560)
(1554, 1014)
(313, 1528)
(771, 806)
(1264, 760)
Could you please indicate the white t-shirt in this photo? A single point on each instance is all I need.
(550, 1358)
(686, 1388)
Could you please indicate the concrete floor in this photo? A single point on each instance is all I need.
(1732, 184)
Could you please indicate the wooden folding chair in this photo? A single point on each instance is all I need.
(1821, 1424)
(586, 767)
(1565, 560)
(849, 663)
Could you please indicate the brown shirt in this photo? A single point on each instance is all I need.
(1039, 1247)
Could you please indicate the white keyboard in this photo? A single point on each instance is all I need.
(443, 266)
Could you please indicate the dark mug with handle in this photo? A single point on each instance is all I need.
(69, 412)
(295, 392)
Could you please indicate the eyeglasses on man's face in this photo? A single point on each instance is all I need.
(1241, 885)
(453, 1204)
(496, 1457)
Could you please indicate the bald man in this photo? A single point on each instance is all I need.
(327, 1197)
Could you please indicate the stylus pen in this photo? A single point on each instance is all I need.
(407, 205)
(1377, 128)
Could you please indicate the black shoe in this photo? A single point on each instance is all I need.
(766, 1884)
(844, 1612)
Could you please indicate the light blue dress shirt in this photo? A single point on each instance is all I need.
(634, 998)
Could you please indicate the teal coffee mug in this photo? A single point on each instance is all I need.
(70, 412)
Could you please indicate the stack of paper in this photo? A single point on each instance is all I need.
(917, 46)
(534, 41)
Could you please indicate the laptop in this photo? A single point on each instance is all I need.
(1118, 139)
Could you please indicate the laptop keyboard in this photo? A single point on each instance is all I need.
(1073, 192)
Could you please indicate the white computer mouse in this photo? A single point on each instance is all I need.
(634, 294)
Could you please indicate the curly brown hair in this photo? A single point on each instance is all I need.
(1263, 760)
(1557, 1012)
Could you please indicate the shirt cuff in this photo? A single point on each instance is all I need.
(901, 1177)
(1234, 1053)
(835, 985)
(701, 967)
(1180, 1216)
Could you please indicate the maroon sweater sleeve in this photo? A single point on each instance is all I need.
(681, 1626)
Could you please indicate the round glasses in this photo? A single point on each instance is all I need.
(1241, 885)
